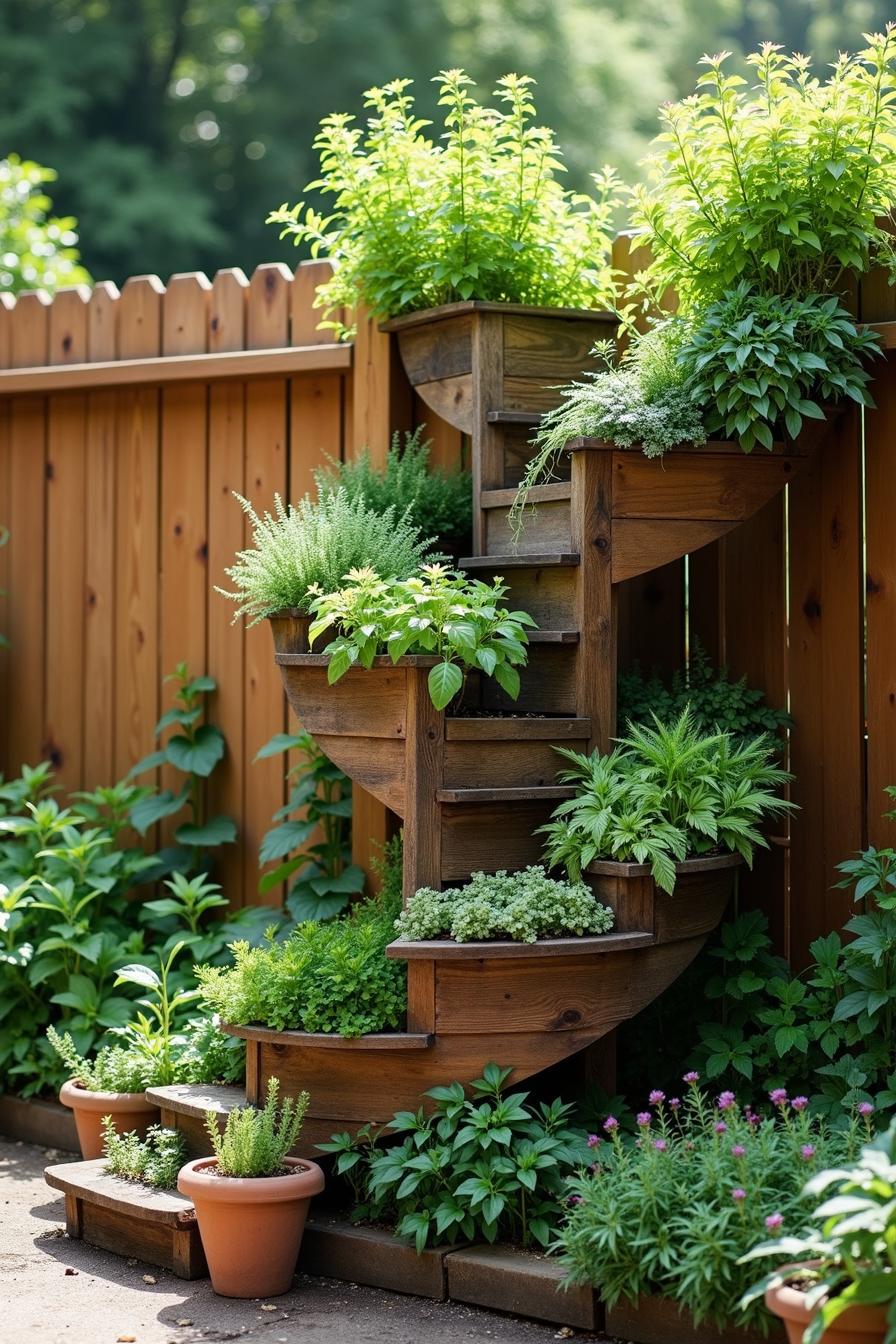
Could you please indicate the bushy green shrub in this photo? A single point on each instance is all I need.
(38, 250)
(440, 612)
(716, 702)
(671, 1211)
(331, 977)
(783, 184)
(314, 545)
(155, 1160)
(521, 906)
(664, 794)
(257, 1139)
(114, 1068)
(489, 1167)
(477, 213)
(437, 501)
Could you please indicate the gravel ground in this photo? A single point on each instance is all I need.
(65, 1292)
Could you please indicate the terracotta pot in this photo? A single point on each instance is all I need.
(129, 1110)
(857, 1325)
(251, 1229)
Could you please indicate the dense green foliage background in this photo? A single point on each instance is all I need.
(176, 124)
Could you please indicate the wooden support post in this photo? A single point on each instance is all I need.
(74, 1223)
(425, 732)
(595, 600)
(488, 439)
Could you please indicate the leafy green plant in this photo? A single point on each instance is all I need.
(322, 877)
(154, 1033)
(784, 184)
(438, 502)
(331, 977)
(492, 1166)
(664, 794)
(641, 399)
(155, 1160)
(193, 749)
(477, 213)
(257, 1139)
(439, 612)
(209, 1055)
(312, 545)
(113, 1069)
(760, 364)
(670, 1211)
(37, 249)
(850, 1254)
(716, 702)
(522, 906)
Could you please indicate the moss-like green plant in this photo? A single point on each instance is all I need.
(257, 1139)
(155, 1160)
(521, 906)
(314, 544)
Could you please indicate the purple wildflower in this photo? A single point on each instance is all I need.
(575, 1199)
(660, 1145)
(720, 1127)
(674, 1103)
(726, 1101)
(738, 1194)
(656, 1097)
(692, 1076)
(865, 1109)
(610, 1124)
(594, 1140)
(773, 1221)
(778, 1096)
(807, 1152)
(800, 1103)
(738, 1150)
(644, 1119)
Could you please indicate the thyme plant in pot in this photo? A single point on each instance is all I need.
(252, 1198)
(436, 233)
(838, 1283)
(111, 1087)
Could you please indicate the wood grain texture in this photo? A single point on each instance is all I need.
(880, 588)
(593, 505)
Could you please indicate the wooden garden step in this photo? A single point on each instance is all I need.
(196, 1099)
(539, 494)
(499, 417)
(322, 1040)
(547, 525)
(443, 949)
(518, 729)
(526, 794)
(533, 560)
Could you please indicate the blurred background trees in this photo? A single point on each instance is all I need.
(175, 125)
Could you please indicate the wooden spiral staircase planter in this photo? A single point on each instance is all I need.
(473, 786)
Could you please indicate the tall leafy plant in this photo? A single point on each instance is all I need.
(476, 212)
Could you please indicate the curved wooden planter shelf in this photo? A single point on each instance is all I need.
(542, 348)
(528, 1005)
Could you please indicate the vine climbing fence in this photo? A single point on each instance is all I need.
(126, 421)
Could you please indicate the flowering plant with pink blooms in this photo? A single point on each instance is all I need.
(670, 1209)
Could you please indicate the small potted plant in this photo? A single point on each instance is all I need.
(251, 1198)
(838, 1284)
(440, 234)
(112, 1086)
(313, 545)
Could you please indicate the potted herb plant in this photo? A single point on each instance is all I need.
(110, 1087)
(251, 1197)
(314, 545)
(838, 1284)
(451, 236)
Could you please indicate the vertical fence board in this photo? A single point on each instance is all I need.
(7, 303)
(99, 561)
(651, 619)
(137, 531)
(226, 459)
(66, 536)
(29, 345)
(825, 668)
(266, 474)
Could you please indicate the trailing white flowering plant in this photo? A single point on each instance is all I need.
(438, 611)
(522, 906)
(670, 1209)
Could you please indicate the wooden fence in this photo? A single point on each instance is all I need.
(126, 420)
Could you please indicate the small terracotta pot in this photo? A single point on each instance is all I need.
(857, 1325)
(129, 1110)
(251, 1229)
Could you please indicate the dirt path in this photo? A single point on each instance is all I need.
(65, 1292)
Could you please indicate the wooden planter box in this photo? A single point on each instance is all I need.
(156, 1226)
(45, 1123)
(289, 628)
(658, 1320)
(534, 351)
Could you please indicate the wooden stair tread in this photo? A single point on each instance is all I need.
(443, 949)
(322, 1040)
(506, 727)
(501, 417)
(527, 793)
(539, 494)
(537, 560)
(197, 1098)
(90, 1179)
(553, 636)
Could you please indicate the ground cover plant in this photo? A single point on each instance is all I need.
(153, 1161)
(438, 501)
(440, 612)
(311, 546)
(846, 1260)
(485, 1167)
(477, 211)
(665, 793)
(331, 976)
(256, 1139)
(671, 1209)
(522, 906)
